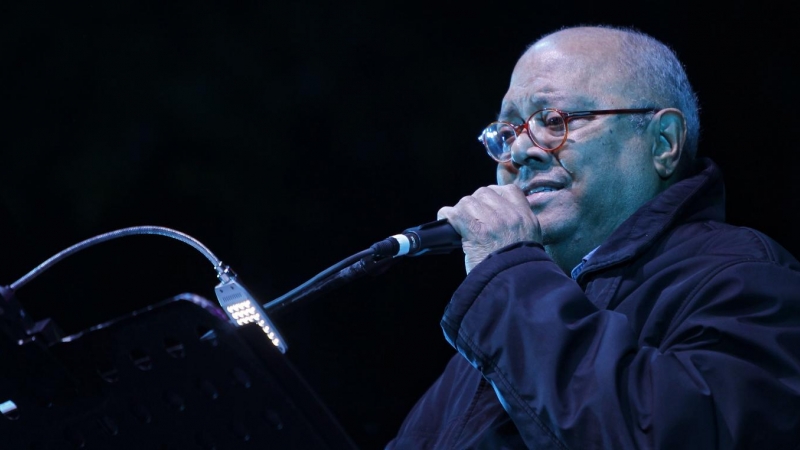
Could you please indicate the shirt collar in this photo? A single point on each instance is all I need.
(579, 268)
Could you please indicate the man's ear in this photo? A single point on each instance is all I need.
(670, 129)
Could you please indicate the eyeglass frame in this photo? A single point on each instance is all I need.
(566, 115)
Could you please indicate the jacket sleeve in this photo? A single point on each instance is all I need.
(570, 375)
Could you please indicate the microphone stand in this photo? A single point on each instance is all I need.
(437, 237)
(324, 282)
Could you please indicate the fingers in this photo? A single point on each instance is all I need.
(491, 218)
(511, 194)
(489, 211)
(490, 198)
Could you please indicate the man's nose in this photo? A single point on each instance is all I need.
(525, 153)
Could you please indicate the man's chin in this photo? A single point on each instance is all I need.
(552, 235)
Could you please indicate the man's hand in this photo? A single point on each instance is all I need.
(490, 219)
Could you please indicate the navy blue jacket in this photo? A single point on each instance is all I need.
(682, 332)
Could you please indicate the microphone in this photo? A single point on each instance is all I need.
(431, 238)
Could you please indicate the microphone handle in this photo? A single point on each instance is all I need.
(431, 238)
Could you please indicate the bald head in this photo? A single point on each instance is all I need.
(580, 57)
(591, 53)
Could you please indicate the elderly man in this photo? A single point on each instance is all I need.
(607, 304)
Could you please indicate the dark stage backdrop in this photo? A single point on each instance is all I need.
(287, 136)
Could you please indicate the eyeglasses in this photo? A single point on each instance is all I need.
(547, 129)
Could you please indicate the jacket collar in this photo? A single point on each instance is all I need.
(697, 198)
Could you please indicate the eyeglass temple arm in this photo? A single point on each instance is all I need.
(568, 115)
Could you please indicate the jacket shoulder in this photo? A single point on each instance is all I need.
(717, 238)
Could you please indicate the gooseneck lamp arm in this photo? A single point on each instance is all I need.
(237, 302)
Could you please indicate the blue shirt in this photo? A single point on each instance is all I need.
(579, 268)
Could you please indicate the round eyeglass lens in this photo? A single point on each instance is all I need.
(498, 138)
(548, 129)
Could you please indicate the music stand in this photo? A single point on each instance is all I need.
(175, 375)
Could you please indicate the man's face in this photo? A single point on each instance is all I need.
(604, 171)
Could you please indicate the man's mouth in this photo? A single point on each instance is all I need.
(536, 190)
(539, 186)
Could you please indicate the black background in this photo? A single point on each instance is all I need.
(287, 136)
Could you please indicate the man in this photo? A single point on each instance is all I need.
(607, 305)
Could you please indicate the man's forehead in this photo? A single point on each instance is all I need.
(566, 70)
(526, 103)
(552, 83)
